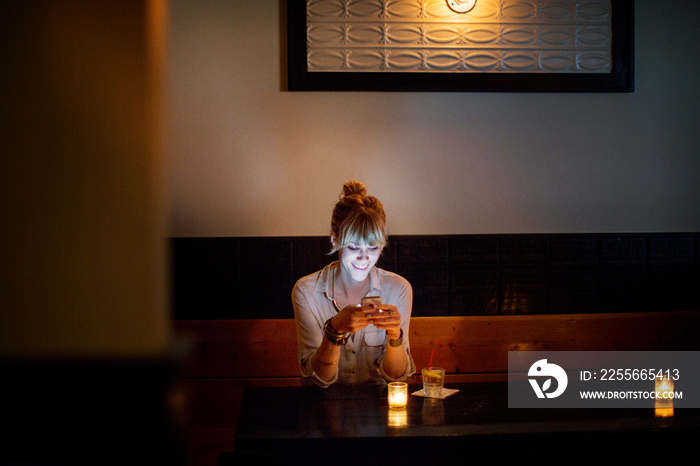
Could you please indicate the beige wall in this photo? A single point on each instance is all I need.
(247, 158)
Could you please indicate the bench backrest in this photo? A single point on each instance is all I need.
(266, 348)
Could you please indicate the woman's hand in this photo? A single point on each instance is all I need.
(387, 317)
(352, 318)
(358, 316)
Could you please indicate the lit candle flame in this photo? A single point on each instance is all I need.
(398, 395)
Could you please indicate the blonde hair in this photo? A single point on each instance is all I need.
(358, 218)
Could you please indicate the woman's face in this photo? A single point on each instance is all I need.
(357, 260)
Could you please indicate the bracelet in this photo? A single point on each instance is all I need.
(333, 335)
(397, 341)
(324, 363)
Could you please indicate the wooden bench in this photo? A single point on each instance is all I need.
(228, 355)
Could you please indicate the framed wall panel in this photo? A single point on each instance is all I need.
(498, 46)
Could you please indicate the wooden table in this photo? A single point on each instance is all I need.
(353, 425)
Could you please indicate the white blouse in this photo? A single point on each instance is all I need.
(362, 356)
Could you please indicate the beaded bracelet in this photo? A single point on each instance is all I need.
(333, 335)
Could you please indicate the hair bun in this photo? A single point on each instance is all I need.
(354, 187)
(357, 218)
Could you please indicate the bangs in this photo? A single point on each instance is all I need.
(361, 229)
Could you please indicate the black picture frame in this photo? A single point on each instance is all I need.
(620, 79)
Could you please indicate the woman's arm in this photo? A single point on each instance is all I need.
(318, 356)
(325, 361)
(395, 359)
(310, 340)
(396, 363)
(348, 320)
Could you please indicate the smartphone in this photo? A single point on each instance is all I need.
(373, 300)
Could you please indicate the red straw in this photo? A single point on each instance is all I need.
(430, 364)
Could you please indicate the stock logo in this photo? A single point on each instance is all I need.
(542, 368)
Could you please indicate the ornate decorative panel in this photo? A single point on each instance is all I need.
(563, 36)
(340, 44)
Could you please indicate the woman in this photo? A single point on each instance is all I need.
(352, 317)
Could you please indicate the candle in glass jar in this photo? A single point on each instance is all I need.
(664, 390)
(398, 395)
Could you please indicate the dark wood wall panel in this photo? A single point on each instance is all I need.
(672, 270)
(205, 278)
(473, 276)
(574, 280)
(529, 274)
(524, 275)
(425, 262)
